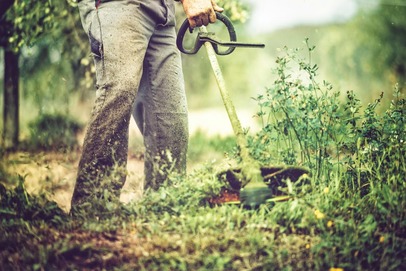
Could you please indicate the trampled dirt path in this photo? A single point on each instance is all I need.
(54, 174)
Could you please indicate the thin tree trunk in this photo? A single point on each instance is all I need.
(11, 100)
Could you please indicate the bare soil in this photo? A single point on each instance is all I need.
(54, 174)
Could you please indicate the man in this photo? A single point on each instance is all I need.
(138, 73)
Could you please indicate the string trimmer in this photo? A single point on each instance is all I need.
(252, 179)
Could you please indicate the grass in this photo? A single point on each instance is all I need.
(349, 216)
(176, 229)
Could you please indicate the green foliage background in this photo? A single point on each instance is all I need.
(366, 54)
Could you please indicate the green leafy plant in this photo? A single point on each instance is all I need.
(300, 117)
(30, 20)
(356, 155)
(305, 122)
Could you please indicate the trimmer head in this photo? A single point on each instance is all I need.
(252, 195)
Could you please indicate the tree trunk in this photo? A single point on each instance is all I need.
(11, 98)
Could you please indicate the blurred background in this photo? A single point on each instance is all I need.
(46, 68)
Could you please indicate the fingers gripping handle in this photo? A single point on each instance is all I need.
(185, 26)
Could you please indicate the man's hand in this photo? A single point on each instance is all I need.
(200, 12)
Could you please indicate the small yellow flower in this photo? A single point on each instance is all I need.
(326, 190)
(381, 239)
(84, 61)
(305, 176)
(336, 269)
(318, 214)
(330, 224)
(307, 246)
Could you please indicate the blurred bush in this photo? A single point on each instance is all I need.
(53, 132)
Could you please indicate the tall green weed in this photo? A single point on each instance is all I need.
(357, 159)
(306, 122)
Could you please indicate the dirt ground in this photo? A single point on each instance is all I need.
(54, 174)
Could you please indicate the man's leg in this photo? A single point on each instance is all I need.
(119, 32)
(161, 109)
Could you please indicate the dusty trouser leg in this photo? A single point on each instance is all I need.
(119, 50)
(160, 110)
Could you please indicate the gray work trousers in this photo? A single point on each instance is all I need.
(139, 73)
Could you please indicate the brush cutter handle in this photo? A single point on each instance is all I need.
(199, 41)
